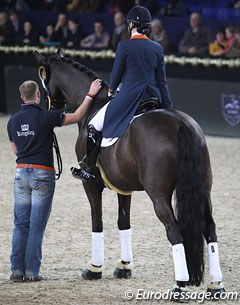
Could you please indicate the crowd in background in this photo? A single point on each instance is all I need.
(198, 40)
(69, 33)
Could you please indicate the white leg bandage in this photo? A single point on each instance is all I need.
(97, 248)
(98, 120)
(214, 265)
(125, 237)
(180, 264)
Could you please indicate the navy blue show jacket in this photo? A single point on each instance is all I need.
(140, 69)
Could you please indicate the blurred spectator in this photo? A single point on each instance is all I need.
(48, 5)
(234, 50)
(30, 36)
(85, 6)
(196, 39)
(152, 5)
(120, 6)
(230, 34)
(3, 4)
(50, 38)
(158, 34)
(77, 5)
(75, 34)
(29, 4)
(236, 4)
(61, 28)
(121, 31)
(14, 18)
(174, 8)
(6, 29)
(220, 43)
(2, 38)
(21, 5)
(16, 25)
(55, 5)
(7, 4)
(99, 39)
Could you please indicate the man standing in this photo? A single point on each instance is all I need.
(196, 39)
(31, 133)
(61, 28)
(99, 39)
(120, 32)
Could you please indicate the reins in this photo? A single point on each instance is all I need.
(42, 73)
(104, 99)
(59, 157)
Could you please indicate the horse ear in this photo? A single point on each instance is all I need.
(41, 59)
(60, 53)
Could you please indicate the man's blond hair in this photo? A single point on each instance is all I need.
(28, 90)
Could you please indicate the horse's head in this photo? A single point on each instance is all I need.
(65, 81)
(53, 94)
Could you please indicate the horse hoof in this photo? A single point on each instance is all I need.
(92, 272)
(179, 295)
(123, 270)
(215, 294)
(122, 273)
(89, 275)
(215, 290)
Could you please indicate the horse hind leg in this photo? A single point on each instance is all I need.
(125, 264)
(95, 266)
(215, 287)
(164, 212)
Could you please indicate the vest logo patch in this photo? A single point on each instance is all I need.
(25, 127)
(25, 131)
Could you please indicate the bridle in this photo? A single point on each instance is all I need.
(44, 77)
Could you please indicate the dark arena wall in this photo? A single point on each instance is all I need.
(209, 94)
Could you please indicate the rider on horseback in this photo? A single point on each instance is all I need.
(139, 67)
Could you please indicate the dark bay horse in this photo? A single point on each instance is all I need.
(161, 152)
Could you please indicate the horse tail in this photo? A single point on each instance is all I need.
(192, 199)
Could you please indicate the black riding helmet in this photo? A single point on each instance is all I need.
(139, 15)
(141, 19)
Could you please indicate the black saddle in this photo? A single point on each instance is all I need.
(149, 104)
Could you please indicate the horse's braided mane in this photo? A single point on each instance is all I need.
(81, 68)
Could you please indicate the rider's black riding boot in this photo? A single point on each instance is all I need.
(94, 139)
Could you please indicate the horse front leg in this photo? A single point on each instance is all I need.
(95, 266)
(125, 264)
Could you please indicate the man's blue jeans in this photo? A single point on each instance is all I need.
(33, 194)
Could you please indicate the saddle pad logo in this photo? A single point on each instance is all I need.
(231, 108)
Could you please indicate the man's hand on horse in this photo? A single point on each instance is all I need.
(77, 116)
(95, 87)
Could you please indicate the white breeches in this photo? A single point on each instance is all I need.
(98, 120)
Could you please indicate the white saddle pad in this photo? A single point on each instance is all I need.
(106, 142)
